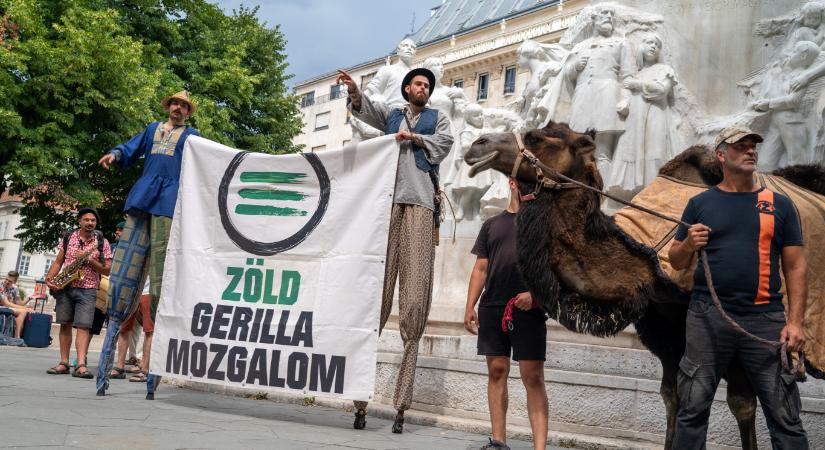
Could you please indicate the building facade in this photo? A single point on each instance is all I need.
(477, 42)
(32, 266)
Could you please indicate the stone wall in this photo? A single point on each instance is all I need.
(597, 388)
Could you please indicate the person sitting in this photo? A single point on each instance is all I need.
(8, 299)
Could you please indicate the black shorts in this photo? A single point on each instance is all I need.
(527, 339)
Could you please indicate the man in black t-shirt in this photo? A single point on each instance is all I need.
(747, 231)
(496, 273)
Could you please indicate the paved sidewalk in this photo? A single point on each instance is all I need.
(41, 410)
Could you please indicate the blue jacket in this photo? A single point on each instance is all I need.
(156, 191)
(426, 125)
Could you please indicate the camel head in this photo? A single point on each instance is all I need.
(556, 145)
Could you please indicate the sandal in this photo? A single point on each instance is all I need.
(135, 369)
(85, 374)
(56, 370)
(139, 377)
(118, 373)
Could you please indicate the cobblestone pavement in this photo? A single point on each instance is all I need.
(38, 410)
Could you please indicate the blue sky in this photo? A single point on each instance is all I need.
(323, 35)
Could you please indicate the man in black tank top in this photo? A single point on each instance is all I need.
(496, 280)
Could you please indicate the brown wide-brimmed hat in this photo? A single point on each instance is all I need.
(182, 96)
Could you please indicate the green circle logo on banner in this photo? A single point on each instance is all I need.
(250, 244)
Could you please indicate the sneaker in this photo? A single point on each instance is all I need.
(495, 445)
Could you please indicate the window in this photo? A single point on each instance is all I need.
(365, 79)
(49, 262)
(510, 80)
(459, 83)
(308, 99)
(483, 81)
(319, 148)
(337, 91)
(3, 227)
(23, 268)
(322, 121)
(346, 141)
(2, 250)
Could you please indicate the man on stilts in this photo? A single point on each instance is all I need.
(141, 250)
(425, 140)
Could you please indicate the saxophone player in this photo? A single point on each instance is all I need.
(86, 248)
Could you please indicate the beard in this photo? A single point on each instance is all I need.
(419, 101)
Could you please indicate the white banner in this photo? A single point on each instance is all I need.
(275, 267)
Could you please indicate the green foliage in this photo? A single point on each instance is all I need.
(79, 77)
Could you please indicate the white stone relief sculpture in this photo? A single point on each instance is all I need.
(784, 32)
(385, 87)
(790, 134)
(649, 139)
(595, 70)
(467, 191)
(451, 102)
(361, 131)
(544, 62)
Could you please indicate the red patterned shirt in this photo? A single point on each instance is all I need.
(77, 247)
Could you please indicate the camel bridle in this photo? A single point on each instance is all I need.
(542, 181)
(545, 182)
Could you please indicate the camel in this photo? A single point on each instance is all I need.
(592, 277)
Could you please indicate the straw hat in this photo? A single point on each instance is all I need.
(181, 96)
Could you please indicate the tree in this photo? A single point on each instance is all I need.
(79, 77)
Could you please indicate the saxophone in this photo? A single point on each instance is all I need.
(72, 271)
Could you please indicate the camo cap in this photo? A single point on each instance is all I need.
(734, 134)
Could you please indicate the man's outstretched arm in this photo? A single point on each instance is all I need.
(373, 114)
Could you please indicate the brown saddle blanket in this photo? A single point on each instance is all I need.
(670, 196)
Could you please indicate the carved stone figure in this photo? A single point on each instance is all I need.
(451, 102)
(361, 131)
(648, 140)
(808, 25)
(595, 69)
(466, 190)
(790, 135)
(544, 62)
(385, 87)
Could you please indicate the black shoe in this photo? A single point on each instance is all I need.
(495, 445)
(398, 425)
(360, 419)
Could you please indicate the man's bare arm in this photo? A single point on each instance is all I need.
(478, 276)
(795, 270)
(681, 252)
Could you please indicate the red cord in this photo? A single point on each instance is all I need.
(507, 318)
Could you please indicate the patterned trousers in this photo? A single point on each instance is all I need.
(140, 252)
(410, 255)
